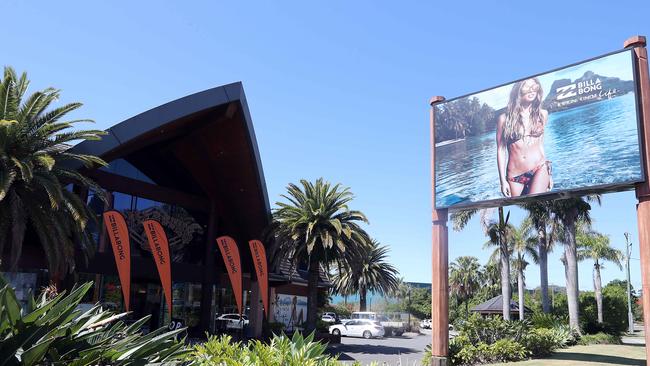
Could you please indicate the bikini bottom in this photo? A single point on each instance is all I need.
(527, 177)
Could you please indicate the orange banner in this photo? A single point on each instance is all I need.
(259, 260)
(118, 233)
(230, 254)
(160, 251)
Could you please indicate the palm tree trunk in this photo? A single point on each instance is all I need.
(598, 291)
(505, 268)
(312, 294)
(520, 288)
(543, 270)
(571, 255)
(362, 299)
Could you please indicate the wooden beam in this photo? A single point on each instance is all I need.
(439, 264)
(114, 182)
(638, 43)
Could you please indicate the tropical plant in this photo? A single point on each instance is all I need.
(524, 246)
(316, 226)
(34, 167)
(498, 234)
(53, 332)
(367, 270)
(595, 246)
(539, 214)
(567, 212)
(281, 351)
(465, 279)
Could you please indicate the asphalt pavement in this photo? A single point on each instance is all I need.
(404, 350)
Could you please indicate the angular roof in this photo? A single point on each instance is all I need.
(203, 145)
(495, 306)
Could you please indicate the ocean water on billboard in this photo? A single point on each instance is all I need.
(591, 145)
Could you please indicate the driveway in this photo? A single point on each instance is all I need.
(407, 349)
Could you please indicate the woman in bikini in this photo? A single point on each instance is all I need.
(522, 164)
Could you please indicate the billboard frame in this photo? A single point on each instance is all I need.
(439, 240)
(574, 192)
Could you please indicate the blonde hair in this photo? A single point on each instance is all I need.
(513, 127)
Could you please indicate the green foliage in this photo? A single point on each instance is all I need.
(34, 151)
(614, 316)
(542, 341)
(544, 320)
(599, 338)
(461, 352)
(281, 351)
(491, 329)
(53, 332)
(342, 310)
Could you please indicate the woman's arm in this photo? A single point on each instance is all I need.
(502, 153)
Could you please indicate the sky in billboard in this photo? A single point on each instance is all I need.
(573, 129)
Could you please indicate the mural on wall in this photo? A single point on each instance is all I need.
(291, 310)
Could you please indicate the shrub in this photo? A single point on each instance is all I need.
(491, 329)
(505, 350)
(614, 314)
(544, 320)
(599, 338)
(542, 341)
(281, 351)
(52, 331)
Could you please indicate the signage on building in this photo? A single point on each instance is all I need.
(569, 131)
(118, 233)
(261, 269)
(230, 254)
(160, 251)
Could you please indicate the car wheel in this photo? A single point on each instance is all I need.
(367, 334)
(336, 332)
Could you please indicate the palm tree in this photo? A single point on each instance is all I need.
(595, 246)
(567, 212)
(539, 213)
(498, 234)
(369, 271)
(523, 245)
(465, 279)
(317, 227)
(34, 151)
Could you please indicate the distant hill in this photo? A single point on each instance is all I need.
(589, 88)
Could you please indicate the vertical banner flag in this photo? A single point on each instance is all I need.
(118, 233)
(259, 260)
(230, 254)
(160, 251)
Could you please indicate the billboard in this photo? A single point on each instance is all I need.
(572, 130)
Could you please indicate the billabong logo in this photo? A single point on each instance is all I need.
(566, 91)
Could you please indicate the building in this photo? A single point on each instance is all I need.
(192, 164)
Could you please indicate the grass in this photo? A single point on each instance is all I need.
(592, 355)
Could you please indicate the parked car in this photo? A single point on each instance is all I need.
(328, 319)
(358, 328)
(395, 328)
(233, 321)
(425, 324)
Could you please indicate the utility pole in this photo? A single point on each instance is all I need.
(630, 317)
(409, 308)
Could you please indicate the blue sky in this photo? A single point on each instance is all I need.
(336, 89)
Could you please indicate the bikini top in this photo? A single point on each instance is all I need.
(536, 131)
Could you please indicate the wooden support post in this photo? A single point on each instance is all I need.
(638, 43)
(210, 271)
(439, 266)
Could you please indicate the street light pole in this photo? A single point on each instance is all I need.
(630, 317)
(409, 309)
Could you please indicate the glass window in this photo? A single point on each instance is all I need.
(126, 169)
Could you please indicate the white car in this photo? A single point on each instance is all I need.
(328, 319)
(425, 324)
(233, 321)
(358, 328)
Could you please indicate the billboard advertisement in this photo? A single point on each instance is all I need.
(573, 130)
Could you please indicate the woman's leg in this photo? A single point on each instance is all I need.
(515, 188)
(541, 180)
